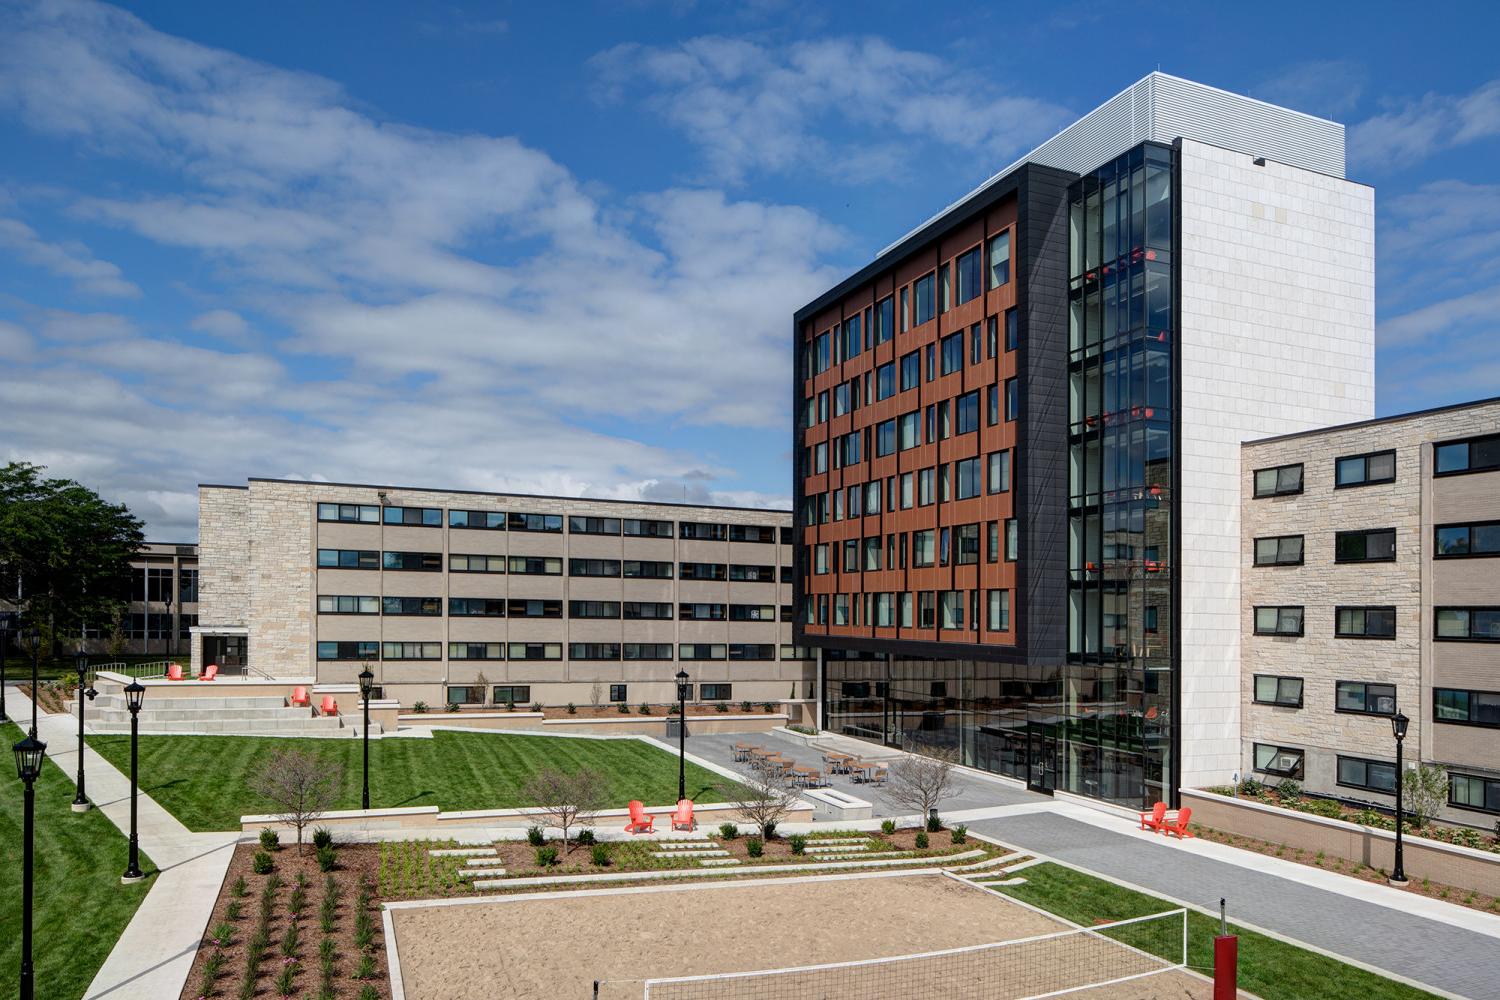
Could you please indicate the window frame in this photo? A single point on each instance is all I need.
(1468, 553)
(1365, 533)
(1469, 610)
(1255, 491)
(1278, 702)
(1472, 719)
(1339, 686)
(1338, 774)
(1365, 457)
(510, 698)
(1296, 773)
(1338, 609)
(1469, 468)
(1279, 608)
(1485, 782)
(1255, 550)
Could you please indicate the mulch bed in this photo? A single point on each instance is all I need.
(51, 700)
(357, 864)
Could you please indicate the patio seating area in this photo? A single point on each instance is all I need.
(816, 770)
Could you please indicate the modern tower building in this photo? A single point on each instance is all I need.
(1017, 444)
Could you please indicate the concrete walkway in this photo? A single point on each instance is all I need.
(152, 959)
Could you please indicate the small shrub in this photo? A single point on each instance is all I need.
(546, 857)
(454, 708)
(326, 921)
(327, 859)
(768, 830)
(887, 826)
(212, 966)
(1252, 788)
(536, 706)
(233, 911)
(239, 888)
(366, 968)
(285, 986)
(222, 935)
(599, 855)
(297, 901)
(645, 708)
(262, 864)
(769, 707)
(327, 949)
(247, 987)
(728, 831)
(535, 837)
(585, 838)
(420, 708)
(270, 840)
(291, 939)
(754, 847)
(921, 840)
(322, 837)
(722, 706)
(364, 937)
(368, 993)
(798, 842)
(325, 988)
(572, 708)
(1288, 790)
(960, 834)
(302, 880)
(671, 709)
(934, 823)
(622, 708)
(746, 707)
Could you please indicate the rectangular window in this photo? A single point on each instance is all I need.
(702, 651)
(1012, 330)
(1012, 400)
(476, 607)
(911, 370)
(999, 471)
(646, 570)
(967, 416)
(1469, 791)
(1365, 470)
(349, 513)
(1365, 623)
(908, 430)
(331, 604)
(968, 544)
(852, 341)
(1470, 708)
(885, 381)
(884, 325)
(593, 525)
(970, 484)
(640, 528)
(187, 587)
(702, 571)
(1456, 541)
(520, 607)
(1473, 624)
(419, 562)
(348, 650)
(752, 651)
(885, 438)
(753, 533)
(1012, 540)
(464, 694)
(924, 306)
(703, 531)
(992, 542)
(512, 694)
(534, 650)
(490, 520)
(593, 650)
(1365, 546)
(1364, 699)
(1280, 481)
(411, 651)
(1480, 454)
(969, 268)
(1278, 620)
(1285, 762)
(536, 565)
(752, 573)
(1283, 550)
(999, 259)
(1371, 775)
(905, 310)
(953, 353)
(593, 567)
(552, 523)
(923, 548)
(946, 282)
(999, 611)
(992, 405)
(717, 692)
(647, 611)
(617, 692)
(348, 559)
(976, 345)
(951, 609)
(476, 564)
(414, 517)
(700, 612)
(1283, 691)
(752, 612)
(648, 651)
(476, 650)
(593, 609)
(418, 607)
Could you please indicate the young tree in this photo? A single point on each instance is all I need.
(118, 641)
(300, 787)
(1424, 790)
(566, 799)
(920, 781)
(596, 695)
(761, 800)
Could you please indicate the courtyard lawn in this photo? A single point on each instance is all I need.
(205, 780)
(81, 907)
(1270, 969)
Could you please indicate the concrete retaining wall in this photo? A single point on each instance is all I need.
(625, 725)
(429, 818)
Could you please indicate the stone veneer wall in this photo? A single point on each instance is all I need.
(223, 555)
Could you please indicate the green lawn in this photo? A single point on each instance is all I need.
(204, 780)
(1269, 968)
(81, 907)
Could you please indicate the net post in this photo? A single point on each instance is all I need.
(1226, 959)
(596, 989)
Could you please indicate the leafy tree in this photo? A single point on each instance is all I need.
(1425, 790)
(64, 551)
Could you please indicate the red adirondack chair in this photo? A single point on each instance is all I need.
(209, 672)
(1155, 819)
(640, 820)
(329, 706)
(1178, 824)
(299, 697)
(174, 671)
(682, 819)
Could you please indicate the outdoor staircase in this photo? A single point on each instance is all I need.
(237, 716)
(997, 871)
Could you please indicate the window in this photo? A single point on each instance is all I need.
(999, 471)
(420, 562)
(999, 611)
(1365, 546)
(1363, 698)
(1283, 691)
(464, 694)
(534, 650)
(1012, 540)
(911, 370)
(421, 607)
(1285, 762)
(1479, 454)
(924, 306)
(617, 692)
(1283, 550)
(647, 611)
(512, 694)
(976, 345)
(348, 559)
(752, 613)
(953, 353)
(593, 525)
(1371, 775)
(1365, 623)
(923, 551)
(1468, 791)
(476, 564)
(969, 268)
(415, 517)
(851, 342)
(646, 570)
(885, 438)
(905, 310)
(593, 609)
(492, 520)
(703, 532)
(970, 484)
(520, 607)
(476, 607)
(536, 565)
(348, 650)
(1278, 620)
(752, 651)
(946, 283)
(967, 545)
(752, 574)
(992, 405)
(908, 431)
(476, 650)
(647, 650)
(535, 522)
(700, 612)
(411, 651)
(1012, 400)
(1468, 624)
(1456, 541)
(701, 571)
(1365, 470)
(329, 604)
(924, 487)
(885, 381)
(968, 412)
(351, 513)
(717, 692)
(992, 542)
(999, 259)
(883, 326)
(636, 527)
(1469, 708)
(593, 567)
(752, 533)
(702, 651)
(187, 587)
(1280, 481)
(1012, 330)
(593, 650)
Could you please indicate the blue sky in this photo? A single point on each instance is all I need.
(544, 247)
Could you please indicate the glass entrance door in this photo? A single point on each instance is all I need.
(1041, 775)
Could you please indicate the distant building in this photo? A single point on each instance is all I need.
(163, 605)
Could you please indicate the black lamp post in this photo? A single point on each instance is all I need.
(5, 619)
(32, 638)
(135, 693)
(29, 753)
(1399, 723)
(81, 664)
(366, 688)
(682, 687)
(171, 632)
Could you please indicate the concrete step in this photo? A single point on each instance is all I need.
(204, 702)
(839, 848)
(463, 852)
(479, 861)
(182, 714)
(833, 841)
(261, 727)
(718, 862)
(692, 854)
(820, 856)
(480, 872)
(687, 845)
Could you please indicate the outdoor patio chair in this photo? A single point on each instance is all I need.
(1155, 819)
(879, 773)
(174, 671)
(682, 819)
(1178, 824)
(299, 697)
(640, 820)
(329, 706)
(209, 672)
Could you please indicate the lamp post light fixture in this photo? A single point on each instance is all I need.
(171, 631)
(366, 688)
(81, 664)
(29, 753)
(682, 688)
(32, 640)
(1399, 723)
(135, 693)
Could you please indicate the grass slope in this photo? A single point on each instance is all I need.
(81, 907)
(205, 780)
(1271, 969)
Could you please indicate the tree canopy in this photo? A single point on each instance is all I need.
(64, 551)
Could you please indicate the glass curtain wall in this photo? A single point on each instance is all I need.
(1113, 725)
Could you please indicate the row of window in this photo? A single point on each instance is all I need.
(1465, 791)
(137, 625)
(962, 480)
(1452, 458)
(520, 694)
(906, 431)
(156, 586)
(956, 545)
(1349, 622)
(494, 520)
(1480, 538)
(496, 607)
(1358, 697)
(393, 651)
(941, 609)
(432, 562)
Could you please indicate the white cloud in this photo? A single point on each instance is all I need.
(70, 260)
(1413, 130)
(226, 324)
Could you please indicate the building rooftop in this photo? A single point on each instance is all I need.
(1377, 421)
